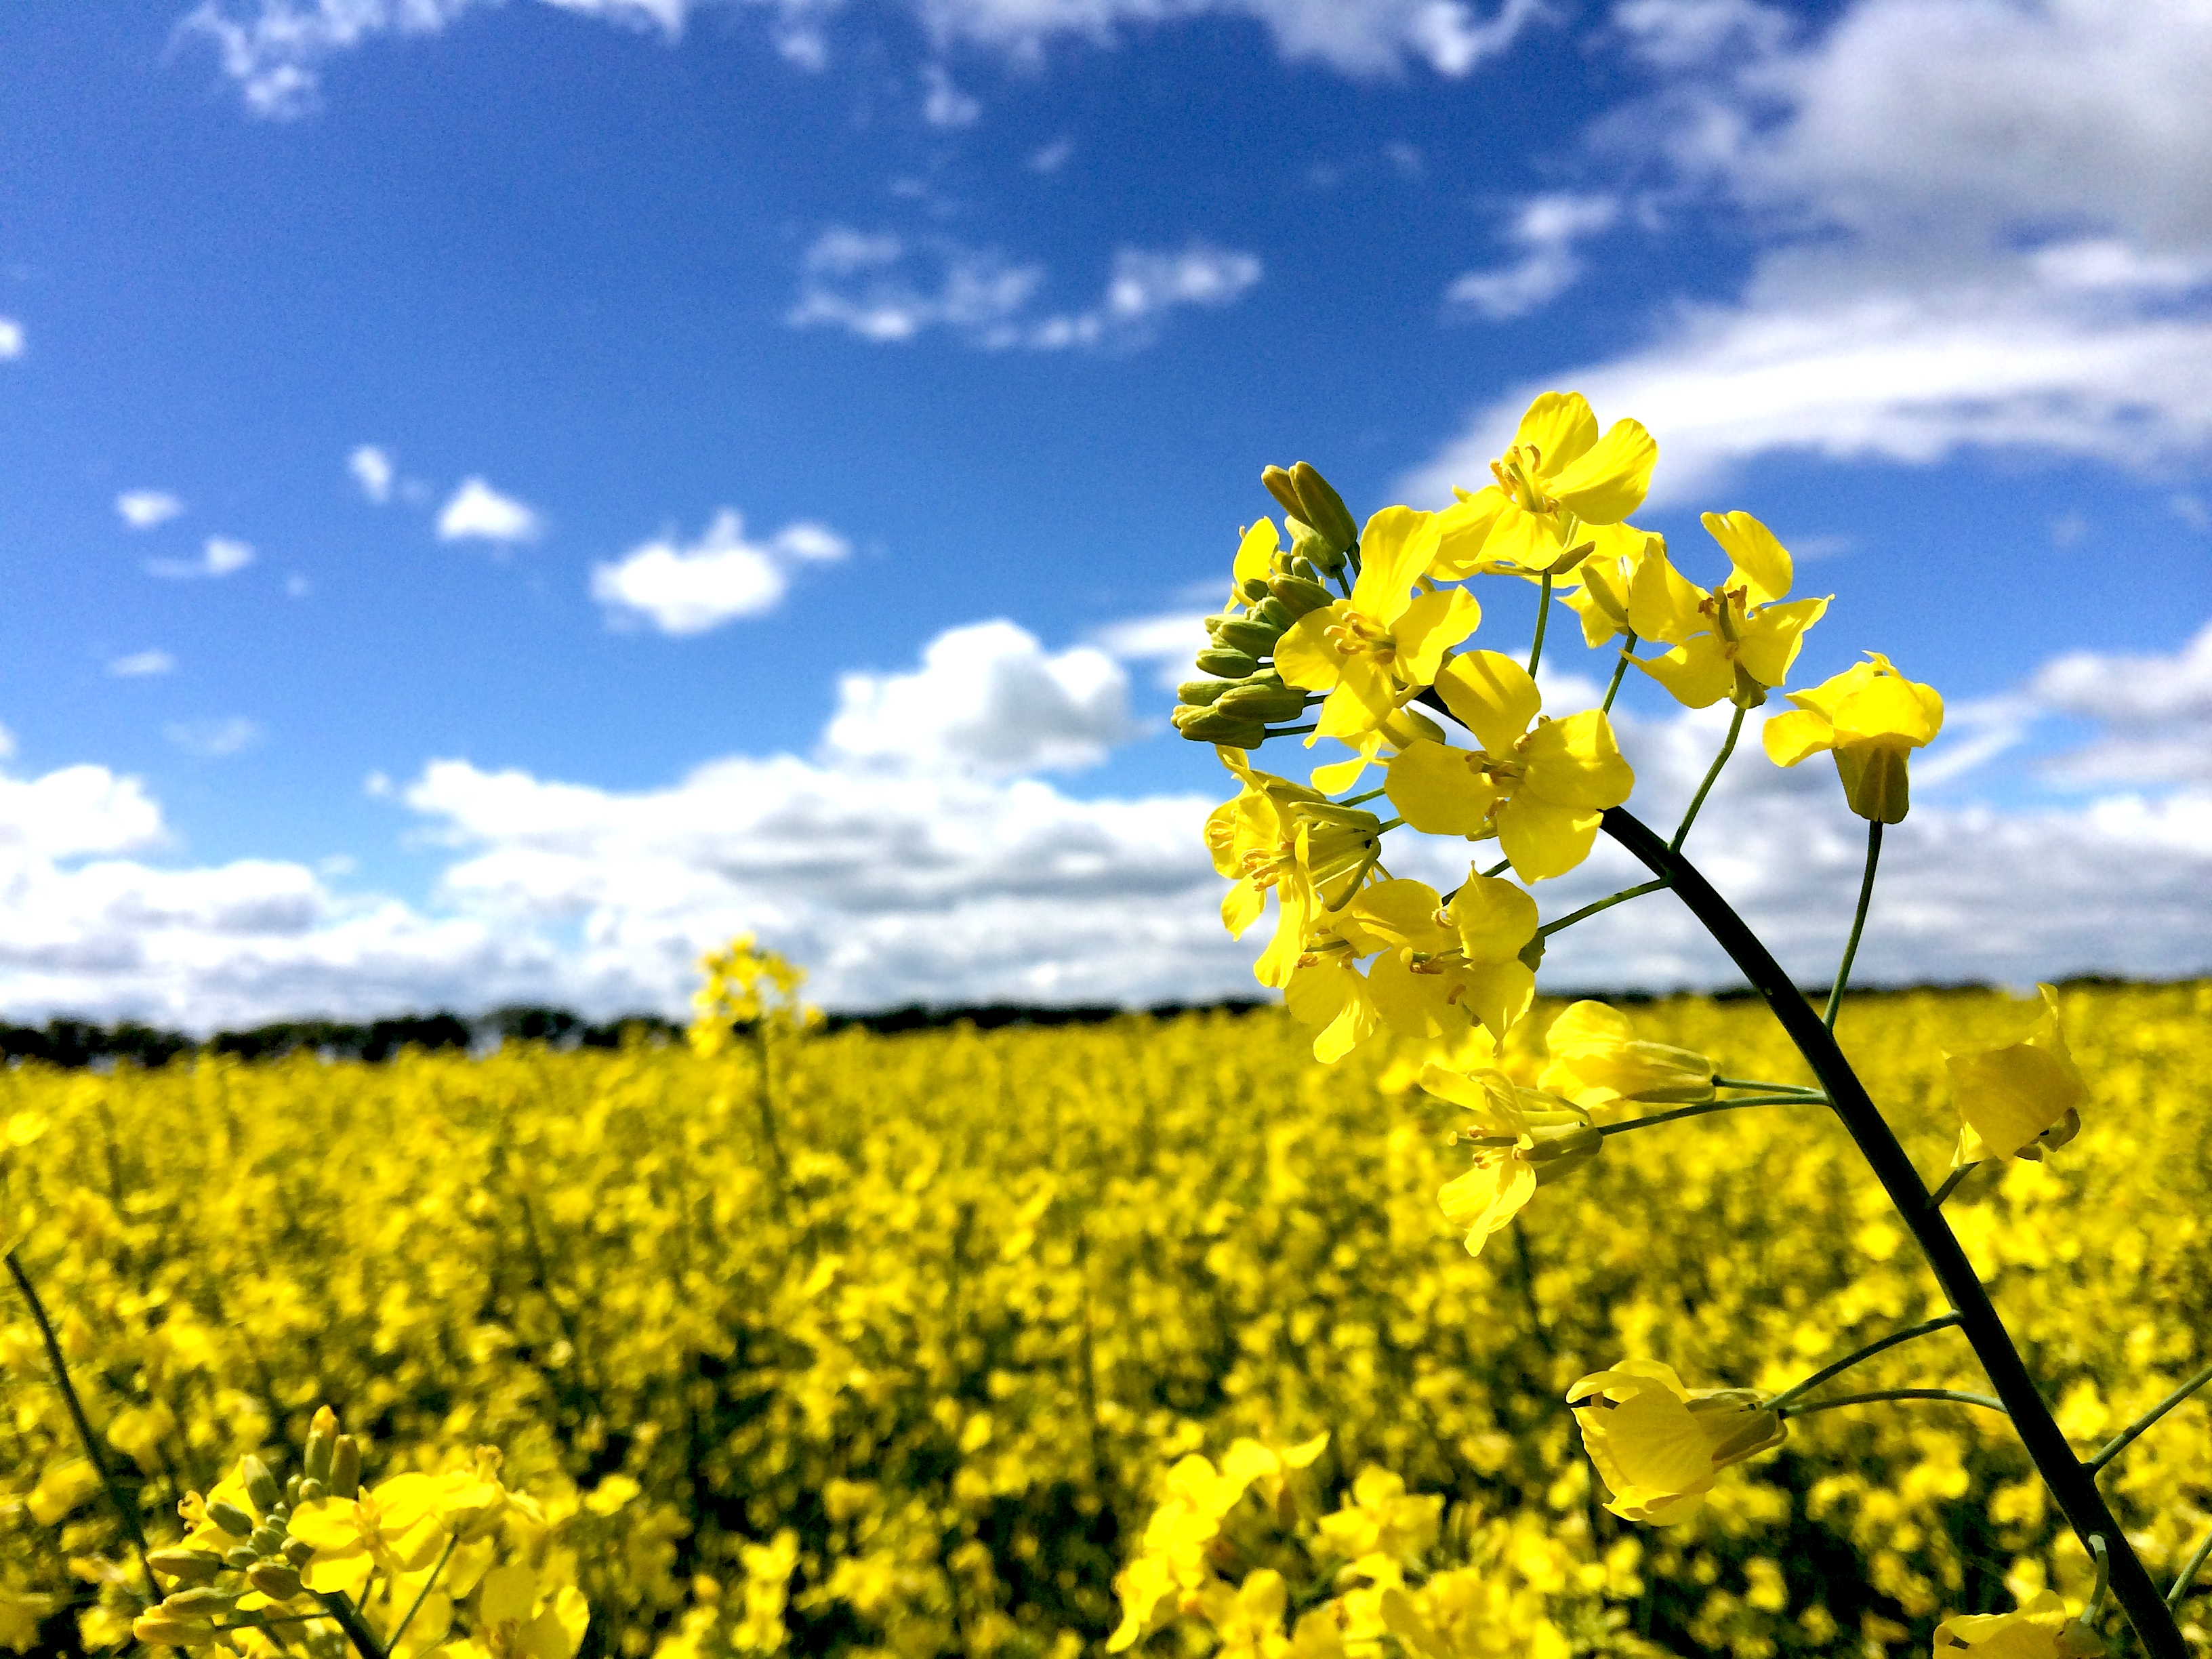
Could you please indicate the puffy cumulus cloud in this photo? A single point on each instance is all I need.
(720, 577)
(141, 665)
(988, 700)
(220, 556)
(1546, 230)
(887, 290)
(2156, 713)
(11, 338)
(142, 509)
(1169, 641)
(274, 51)
(371, 471)
(477, 512)
(1972, 236)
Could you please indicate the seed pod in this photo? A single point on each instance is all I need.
(1323, 508)
(1299, 596)
(260, 1484)
(345, 1466)
(1282, 488)
(185, 1566)
(298, 1551)
(274, 1579)
(1247, 634)
(1229, 664)
(200, 1603)
(1197, 694)
(231, 1518)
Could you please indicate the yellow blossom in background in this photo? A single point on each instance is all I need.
(1538, 784)
(743, 986)
(1371, 651)
(1596, 1060)
(1658, 1445)
(2015, 1099)
(1871, 718)
(1521, 1135)
(1737, 641)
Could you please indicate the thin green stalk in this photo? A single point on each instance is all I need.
(1858, 923)
(1620, 669)
(1712, 777)
(1388, 824)
(423, 1594)
(1951, 1184)
(1588, 910)
(124, 1507)
(2120, 1441)
(2097, 1547)
(1704, 1107)
(1500, 868)
(1354, 800)
(1543, 621)
(1293, 731)
(1982, 1400)
(2190, 1569)
(1941, 1322)
(1772, 1088)
(2072, 1487)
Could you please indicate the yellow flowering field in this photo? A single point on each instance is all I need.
(851, 1343)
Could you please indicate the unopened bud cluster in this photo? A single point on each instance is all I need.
(1274, 587)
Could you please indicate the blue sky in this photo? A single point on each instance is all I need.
(495, 495)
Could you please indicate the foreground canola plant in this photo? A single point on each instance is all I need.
(1369, 630)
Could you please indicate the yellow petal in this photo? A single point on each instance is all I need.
(1761, 564)
(1240, 907)
(1414, 1004)
(1432, 624)
(1575, 762)
(1491, 695)
(1559, 427)
(1496, 993)
(1889, 707)
(1520, 539)
(1663, 605)
(1494, 919)
(1255, 554)
(1610, 481)
(1361, 701)
(1394, 550)
(1437, 790)
(327, 1524)
(1543, 839)
(1462, 530)
(2009, 1095)
(1697, 673)
(1770, 639)
(1487, 1197)
(1791, 737)
(1402, 912)
(1304, 656)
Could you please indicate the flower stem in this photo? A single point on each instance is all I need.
(351, 1621)
(2120, 1441)
(1606, 904)
(1950, 1184)
(1500, 868)
(1772, 1088)
(2072, 1487)
(423, 1594)
(1858, 924)
(1712, 776)
(1941, 1322)
(1354, 800)
(116, 1496)
(1702, 1108)
(1619, 668)
(1543, 621)
(1875, 1395)
(2189, 1571)
(1292, 731)
(2104, 1578)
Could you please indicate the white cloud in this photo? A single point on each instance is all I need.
(945, 105)
(141, 665)
(11, 338)
(373, 470)
(477, 511)
(1681, 34)
(1546, 228)
(215, 739)
(220, 556)
(1170, 642)
(2156, 712)
(717, 578)
(987, 700)
(1051, 157)
(275, 51)
(142, 509)
(888, 289)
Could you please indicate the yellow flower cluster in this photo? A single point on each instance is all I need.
(919, 1386)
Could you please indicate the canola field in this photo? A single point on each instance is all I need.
(858, 1345)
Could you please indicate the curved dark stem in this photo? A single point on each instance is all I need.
(2070, 1483)
(349, 1621)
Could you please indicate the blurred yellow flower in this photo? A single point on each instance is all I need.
(1596, 1060)
(1659, 1445)
(1872, 718)
(2018, 1098)
(2040, 1628)
(1540, 788)
(1523, 1135)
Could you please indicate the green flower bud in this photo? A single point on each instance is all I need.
(1211, 725)
(292, 1492)
(1254, 590)
(1280, 485)
(157, 1632)
(1307, 571)
(185, 1566)
(1249, 702)
(1323, 508)
(1247, 634)
(1273, 611)
(1224, 660)
(311, 1491)
(1198, 694)
(298, 1551)
(1309, 546)
(274, 1579)
(260, 1484)
(241, 1555)
(315, 1464)
(231, 1518)
(1299, 596)
(265, 1541)
(345, 1466)
(200, 1603)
